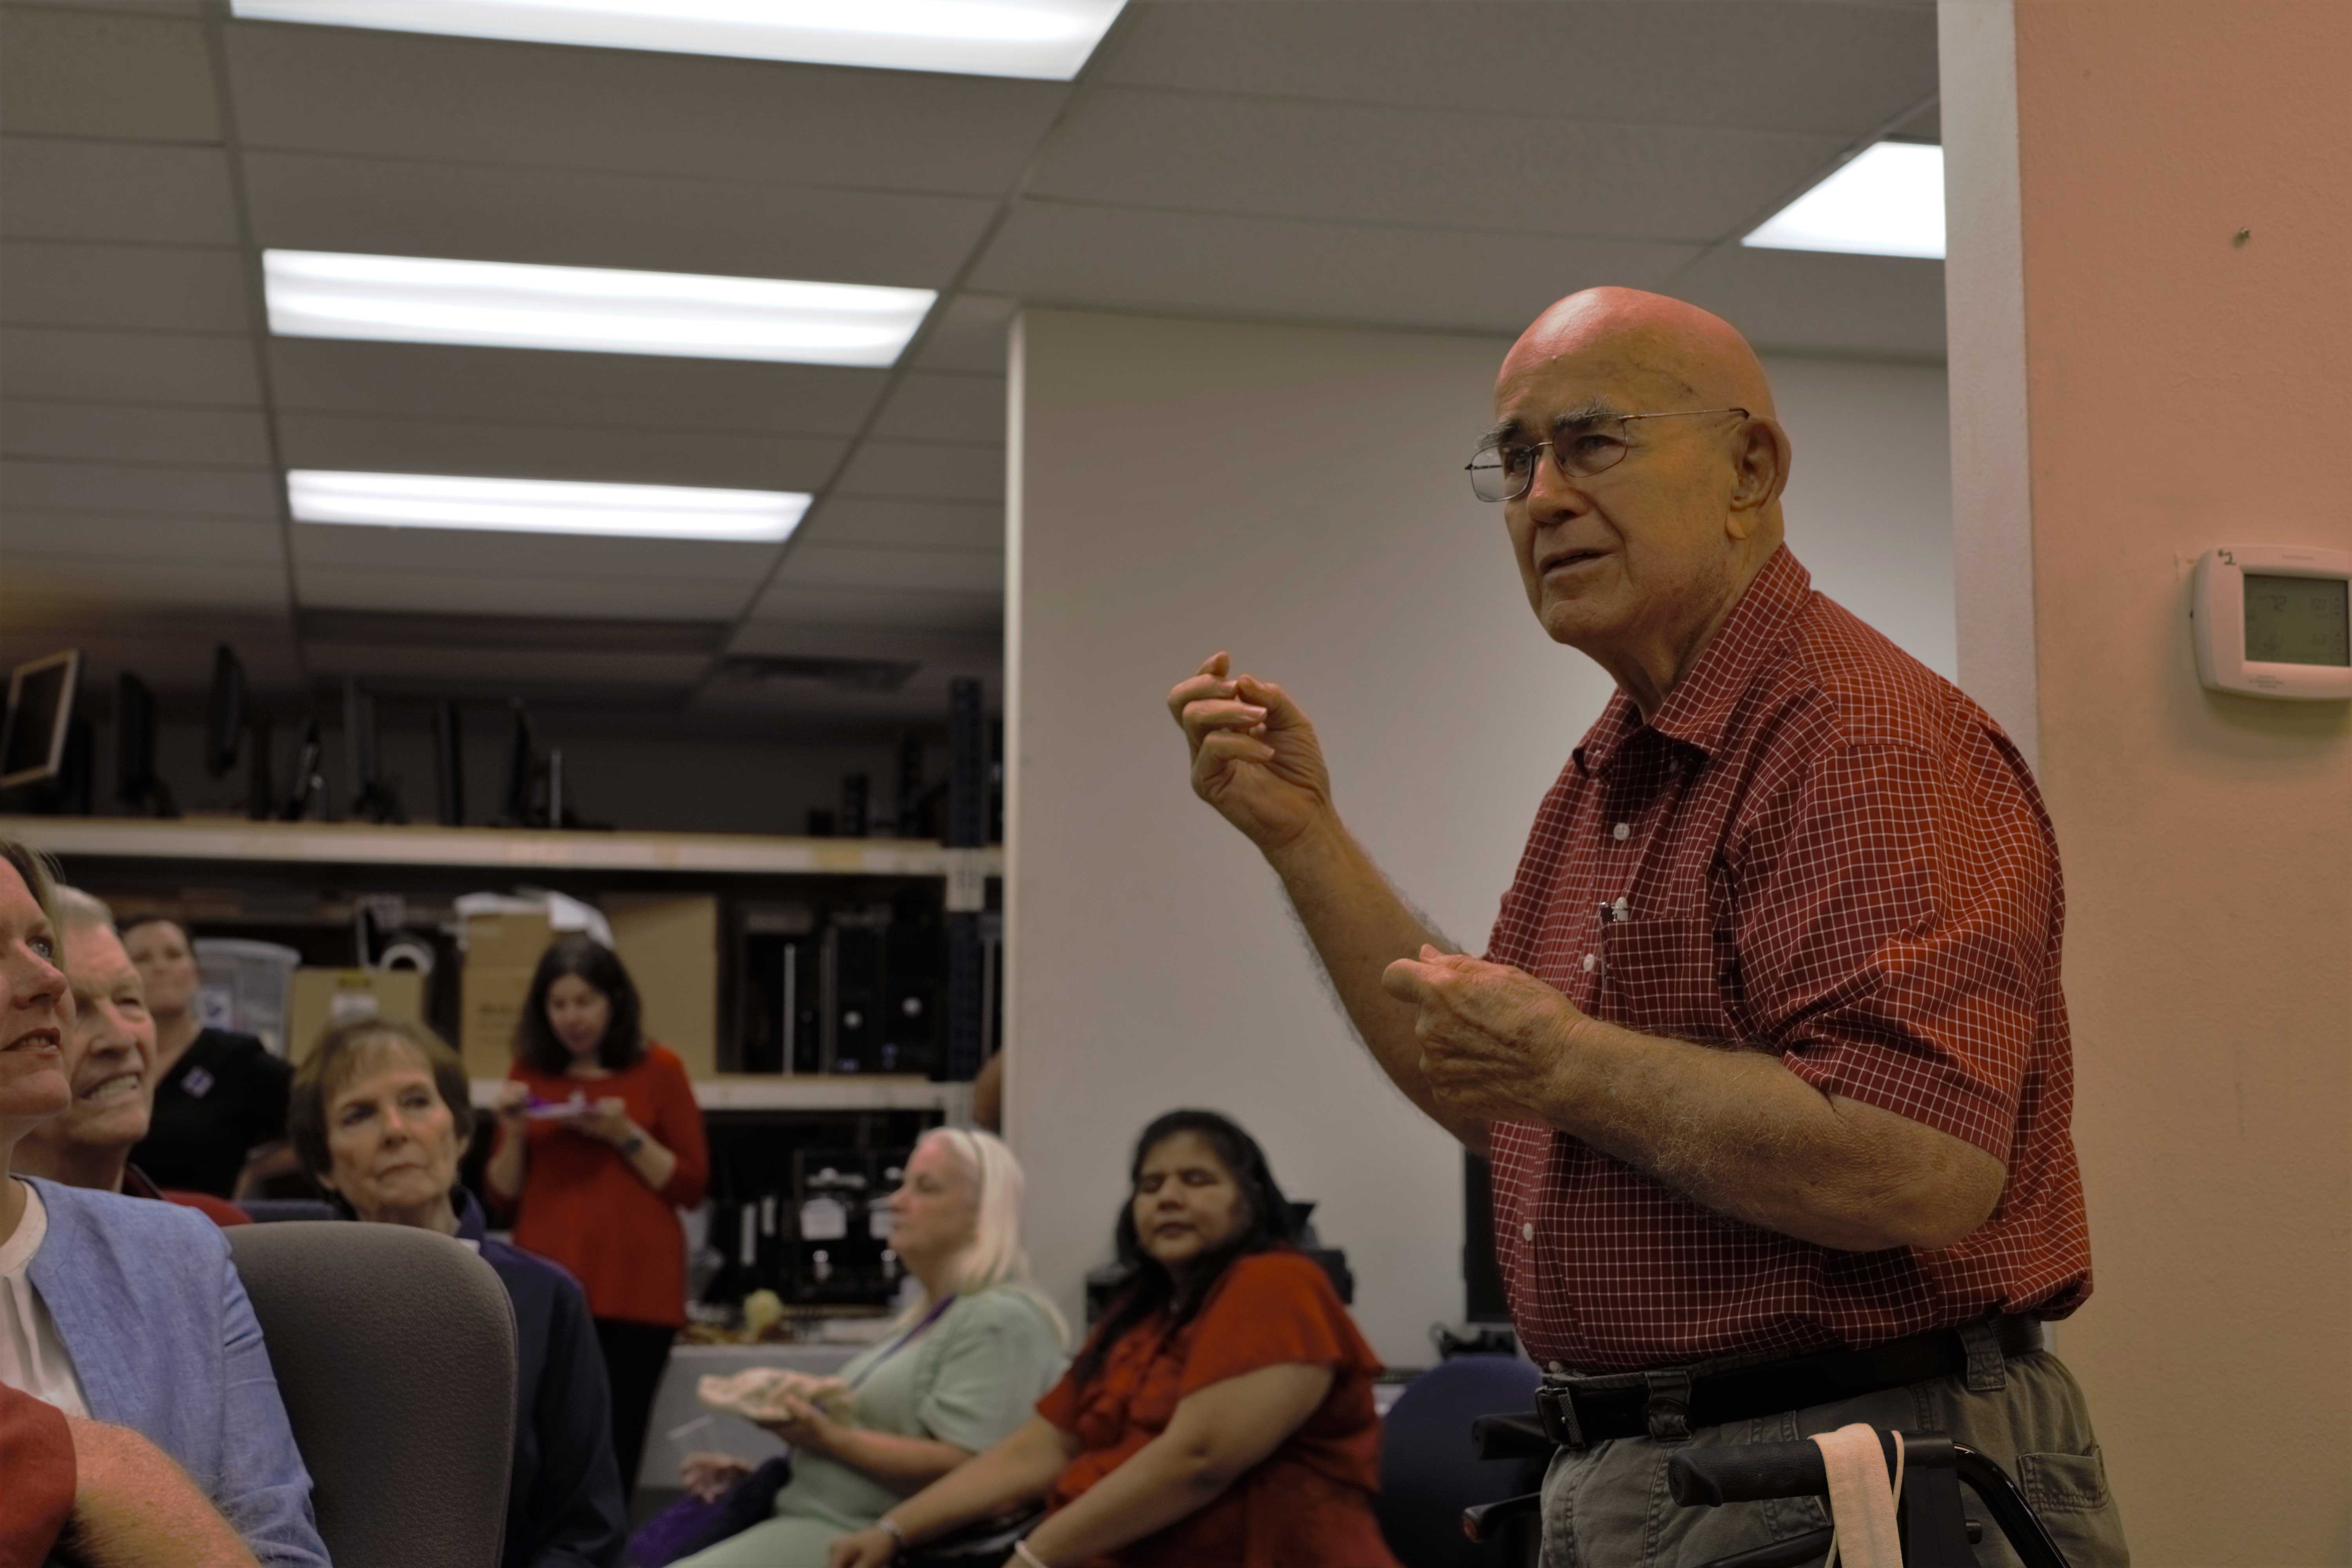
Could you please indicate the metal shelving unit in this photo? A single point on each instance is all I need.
(495, 849)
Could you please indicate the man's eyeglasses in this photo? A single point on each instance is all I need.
(1505, 470)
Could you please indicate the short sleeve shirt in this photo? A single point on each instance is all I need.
(1817, 849)
(225, 1097)
(37, 1461)
(1306, 1505)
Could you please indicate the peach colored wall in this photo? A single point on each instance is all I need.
(2184, 391)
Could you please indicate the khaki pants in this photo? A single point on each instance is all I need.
(1608, 1507)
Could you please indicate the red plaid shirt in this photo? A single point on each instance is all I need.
(1821, 849)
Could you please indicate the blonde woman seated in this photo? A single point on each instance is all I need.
(958, 1374)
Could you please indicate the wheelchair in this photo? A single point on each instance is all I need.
(1937, 1532)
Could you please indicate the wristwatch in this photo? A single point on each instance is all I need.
(633, 1143)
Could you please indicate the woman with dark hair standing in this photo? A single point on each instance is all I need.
(1220, 1413)
(599, 1145)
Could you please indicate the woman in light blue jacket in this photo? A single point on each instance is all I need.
(127, 1312)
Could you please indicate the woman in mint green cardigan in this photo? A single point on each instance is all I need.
(960, 1372)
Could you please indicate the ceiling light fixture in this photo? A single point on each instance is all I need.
(504, 304)
(543, 506)
(1888, 201)
(1045, 39)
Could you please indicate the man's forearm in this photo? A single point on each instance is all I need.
(1738, 1132)
(1359, 926)
(133, 1508)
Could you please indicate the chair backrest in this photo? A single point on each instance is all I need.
(1429, 1471)
(395, 1351)
(277, 1211)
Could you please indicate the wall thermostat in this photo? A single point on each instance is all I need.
(2273, 620)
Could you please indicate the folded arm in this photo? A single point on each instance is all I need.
(1218, 1435)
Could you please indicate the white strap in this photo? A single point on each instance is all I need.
(1862, 1503)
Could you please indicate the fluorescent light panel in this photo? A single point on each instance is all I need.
(503, 304)
(543, 506)
(1889, 201)
(1046, 40)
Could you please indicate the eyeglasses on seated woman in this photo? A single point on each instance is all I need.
(1220, 1413)
(957, 1373)
(380, 1116)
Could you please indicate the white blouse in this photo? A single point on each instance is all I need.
(31, 1358)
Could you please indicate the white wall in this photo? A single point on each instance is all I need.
(1295, 494)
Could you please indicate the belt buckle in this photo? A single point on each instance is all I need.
(1557, 1409)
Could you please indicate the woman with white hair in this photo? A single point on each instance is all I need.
(959, 1372)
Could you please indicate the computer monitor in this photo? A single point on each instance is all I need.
(449, 763)
(136, 785)
(372, 797)
(40, 710)
(523, 808)
(224, 712)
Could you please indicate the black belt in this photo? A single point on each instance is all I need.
(1579, 1412)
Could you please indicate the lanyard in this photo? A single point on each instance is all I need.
(903, 1341)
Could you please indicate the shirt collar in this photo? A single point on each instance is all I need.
(471, 1226)
(1698, 709)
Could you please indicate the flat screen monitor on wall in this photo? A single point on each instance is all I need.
(40, 708)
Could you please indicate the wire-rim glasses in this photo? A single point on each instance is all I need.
(1504, 470)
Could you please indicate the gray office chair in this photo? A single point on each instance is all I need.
(395, 1349)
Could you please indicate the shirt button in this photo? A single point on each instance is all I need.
(1592, 963)
(1621, 832)
(1526, 1230)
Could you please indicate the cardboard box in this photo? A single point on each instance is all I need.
(671, 944)
(490, 1005)
(322, 998)
(502, 951)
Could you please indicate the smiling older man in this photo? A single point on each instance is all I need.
(1768, 1048)
(110, 1059)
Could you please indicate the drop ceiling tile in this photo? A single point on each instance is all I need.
(945, 408)
(435, 381)
(814, 566)
(128, 367)
(124, 433)
(921, 470)
(968, 333)
(28, 533)
(976, 526)
(50, 485)
(82, 72)
(115, 190)
(1202, 264)
(332, 587)
(523, 562)
(1502, 172)
(157, 288)
(1782, 65)
(729, 461)
(396, 95)
(563, 217)
(1821, 303)
(796, 610)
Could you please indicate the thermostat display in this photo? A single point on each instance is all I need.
(2274, 620)
(2298, 620)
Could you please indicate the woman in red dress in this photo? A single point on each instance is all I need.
(600, 1143)
(1220, 1413)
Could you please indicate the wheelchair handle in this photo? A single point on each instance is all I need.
(1754, 1472)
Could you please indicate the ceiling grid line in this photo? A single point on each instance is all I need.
(214, 19)
(949, 292)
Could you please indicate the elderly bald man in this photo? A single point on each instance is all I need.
(1768, 1050)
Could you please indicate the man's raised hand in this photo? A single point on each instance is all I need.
(1255, 756)
(1496, 1043)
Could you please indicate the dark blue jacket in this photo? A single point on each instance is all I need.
(563, 1503)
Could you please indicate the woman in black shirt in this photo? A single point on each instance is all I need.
(219, 1095)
